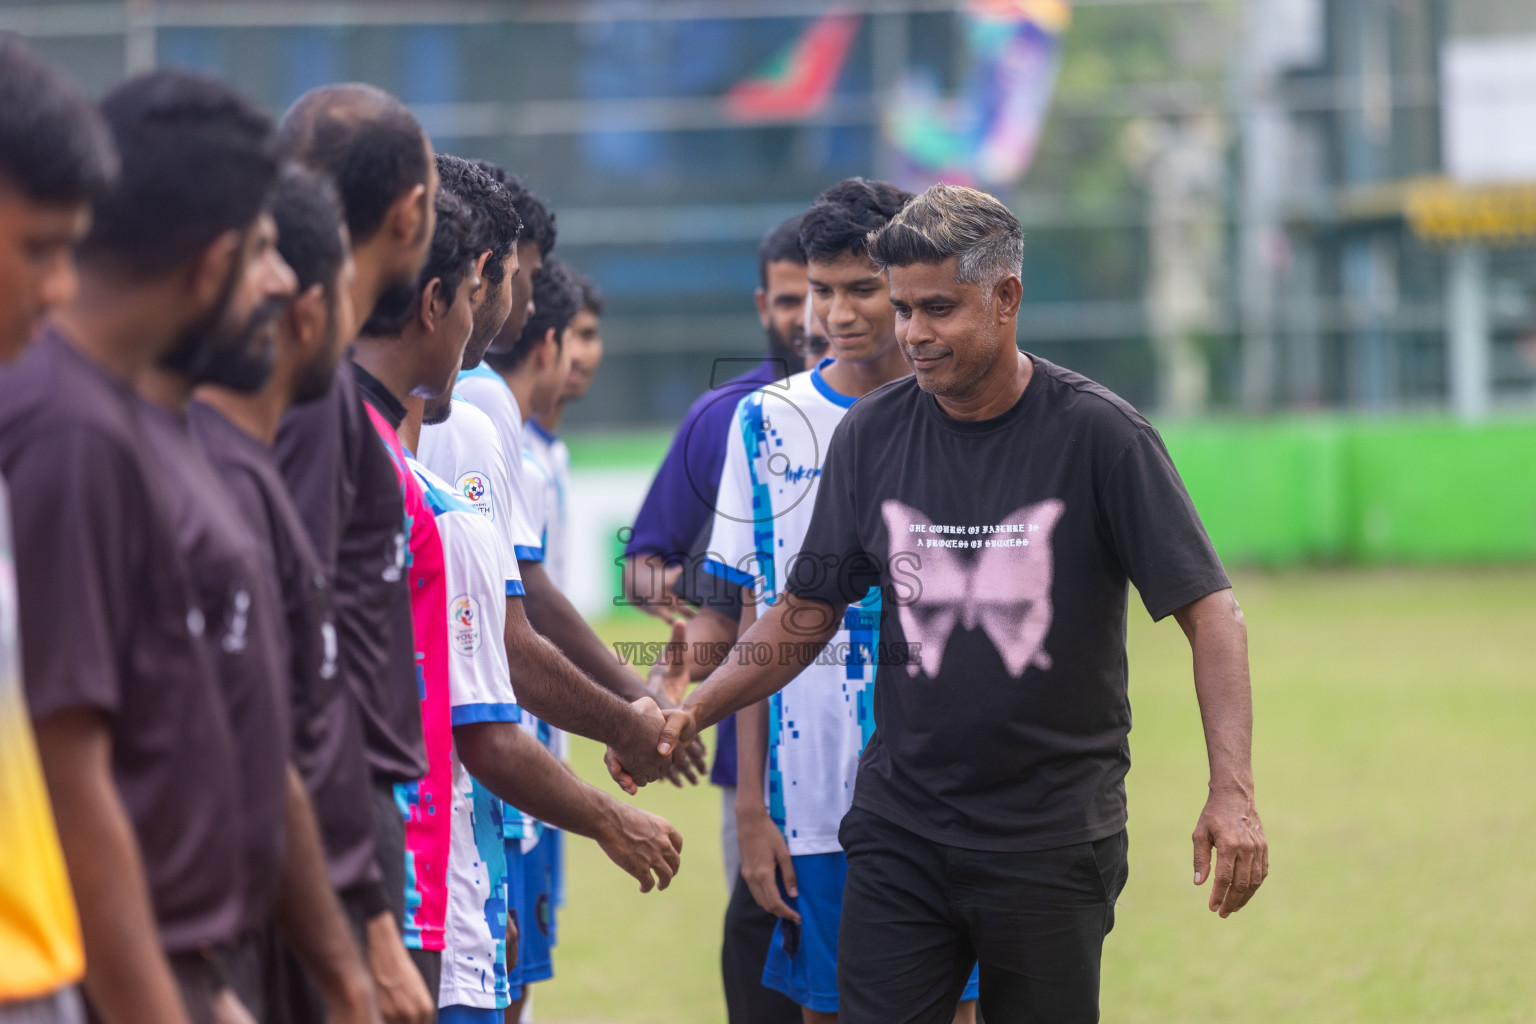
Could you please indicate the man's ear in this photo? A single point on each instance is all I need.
(476, 296)
(407, 214)
(429, 313)
(549, 349)
(209, 273)
(307, 315)
(1010, 293)
(762, 307)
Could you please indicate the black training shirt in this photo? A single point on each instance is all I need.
(327, 737)
(243, 608)
(345, 486)
(109, 624)
(1003, 549)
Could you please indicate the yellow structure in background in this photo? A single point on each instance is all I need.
(1441, 211)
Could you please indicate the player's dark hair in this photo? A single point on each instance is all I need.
(197, 160)
(308, 214)
(453, 253)
(780, 245)
(556, 299)
(490, 199)
(841, 218)
(54, 147)
(591, 297)
(538, 221)
(952, 220)
(366, 140)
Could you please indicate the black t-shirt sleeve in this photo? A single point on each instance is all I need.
(77, 502)
(1154, 529)
(316, 449)
(833, 566)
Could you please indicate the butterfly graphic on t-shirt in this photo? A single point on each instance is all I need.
(1005, 589)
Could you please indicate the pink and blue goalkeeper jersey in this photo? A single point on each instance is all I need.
(426, 803)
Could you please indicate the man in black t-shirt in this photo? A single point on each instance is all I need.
(1002, 504)
(239, 593)
(236, 429)
(344, 484)
(133, 729)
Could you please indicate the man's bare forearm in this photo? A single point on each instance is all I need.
(751, 734)
(516, 767)
(127, 975)
(1218, 639)
(555, 690)
(792, 625)
(309, 916)
(553, 615)
(751, 757)
(710, 635)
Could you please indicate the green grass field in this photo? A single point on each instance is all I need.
(1395, 753)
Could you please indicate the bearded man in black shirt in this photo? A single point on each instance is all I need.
(1003, 504)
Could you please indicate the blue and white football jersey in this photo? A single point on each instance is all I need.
(479, 573)
(483, 388)
(466, 450)
(819, 723)
(538, 492)
(554, 458)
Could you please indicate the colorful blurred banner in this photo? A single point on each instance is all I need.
(799, 80)
(987, 134)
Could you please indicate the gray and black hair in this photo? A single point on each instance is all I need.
(952, 220)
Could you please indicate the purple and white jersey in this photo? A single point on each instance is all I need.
(818, 723)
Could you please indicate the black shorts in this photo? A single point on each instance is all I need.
(429, 963)
(292, 997)
(748, 933)
(918, 914)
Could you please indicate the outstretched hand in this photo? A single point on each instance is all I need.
(664, 604)
(679, 731)
(1230, 823)
(670, 675)
(677, 741)
(643, 843)
(668, 682)
(641, 763)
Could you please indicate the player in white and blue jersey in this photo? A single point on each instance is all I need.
(583, 348)
(513, 383)
(492, 756)
(523, 371)
(549, 453)
(541, 846)
(798, 752)
(583, 345)
(480, 574)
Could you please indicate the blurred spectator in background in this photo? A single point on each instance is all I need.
(813, 343)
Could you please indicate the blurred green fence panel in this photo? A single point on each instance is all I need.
(1283, 492)
(1442, 492)
(1269, 492)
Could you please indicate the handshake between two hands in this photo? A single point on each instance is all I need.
(665, 744)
